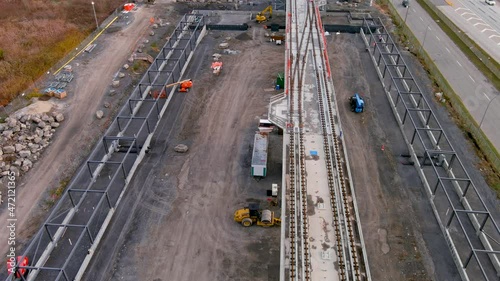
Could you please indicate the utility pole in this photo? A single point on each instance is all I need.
(407, 10)
(95, 16)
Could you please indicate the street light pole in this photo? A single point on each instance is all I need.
(425, 35)
(488, 106)
(407, 10)
(95, 16)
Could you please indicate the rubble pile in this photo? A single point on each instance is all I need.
(23, 138)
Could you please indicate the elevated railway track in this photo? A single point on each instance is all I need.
(313, 123)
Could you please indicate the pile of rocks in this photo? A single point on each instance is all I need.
(23, 138)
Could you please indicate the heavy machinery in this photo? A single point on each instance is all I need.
(357, 103)
(185, 85)
(216, 67)
(261, 16)
(253, 215)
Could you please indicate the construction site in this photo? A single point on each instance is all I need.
(260, 142)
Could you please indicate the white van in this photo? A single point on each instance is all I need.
(490, 2)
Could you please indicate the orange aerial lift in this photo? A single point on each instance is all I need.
(185, 85)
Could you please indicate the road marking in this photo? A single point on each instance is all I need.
(487, 29)
(92, 41)
(438, 38)
(472, 79)
(494, 35)
(448, 50)
(459, 64)
(468, 13)
(430, 28)
(493, 18)
(421, 19)
(486, 96)
(474, 18)
(481, 23)
(461, 8)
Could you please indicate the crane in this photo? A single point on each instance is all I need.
(185, 86)
(261, 16)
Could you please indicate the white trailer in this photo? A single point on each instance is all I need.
(259, 156)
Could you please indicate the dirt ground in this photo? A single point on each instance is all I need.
(180, 224)
(80, 129)
(401, 235)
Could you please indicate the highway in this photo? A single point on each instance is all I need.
(478, 20)
(476, 92)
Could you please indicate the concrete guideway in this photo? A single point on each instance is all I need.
(477, 94)
(321, 232)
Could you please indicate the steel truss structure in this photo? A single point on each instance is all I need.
(472, 234)
(65, 244)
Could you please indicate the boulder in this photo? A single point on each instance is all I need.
(41, 124)
(27, 162)
(115, 84)
(19, 147)
(23, 126)
(1, 151)
(7, 134)
(15, 170)
(36, 119)
(59, 117)
(37, 139)
(47, 134)
(181, 148)
(25, 153)
(39, 132)
(154, 26)
(45, 117)
(21, 138)
(126, 66)
(151, 33)
(99, 114)
(2, 127)
(25, 118)
(9, 149)
(16, 129)
(47, 128)
(54, 124)
(107, 104)
(12, 122)
(121, 74)
(25, 168)
(112, 92)
(17, 163)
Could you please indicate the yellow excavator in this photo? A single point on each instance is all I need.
(253, 215)
(261, 16)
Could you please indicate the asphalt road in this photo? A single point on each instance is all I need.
(478, 20)
(470, 85)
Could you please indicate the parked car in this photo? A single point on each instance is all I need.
(490, 2)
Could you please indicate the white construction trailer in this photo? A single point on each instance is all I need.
(259, 156)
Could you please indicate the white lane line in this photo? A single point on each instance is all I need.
(461, 8)
(448, 50)
(421, 19)
(472, 79)
(459, 64)
(486, 96)
(413, 10)
(438, 38)
(494, 35)
(467, 13)
(430, 28)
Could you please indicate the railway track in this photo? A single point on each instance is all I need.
(306, 34)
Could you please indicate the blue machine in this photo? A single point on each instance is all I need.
(357, 103)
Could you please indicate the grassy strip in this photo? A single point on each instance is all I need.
(489, 67)
(489, 156)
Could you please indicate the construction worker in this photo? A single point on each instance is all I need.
(186, 85)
